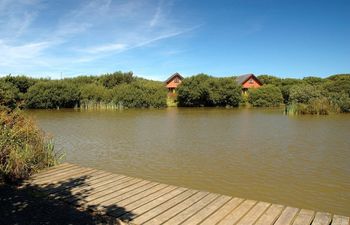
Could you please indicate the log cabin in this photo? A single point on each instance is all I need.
(173, 81)
(248, 81)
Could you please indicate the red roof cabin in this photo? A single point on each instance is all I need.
(248, 81)
(173, 81)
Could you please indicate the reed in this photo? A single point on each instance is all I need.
(24, 148)
(317, 106)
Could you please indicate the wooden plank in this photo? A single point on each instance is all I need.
(147, 202)
(238, 213)
(254, 213)
(164, 206)
(100, 182)
(93, 191)
(322, 218)
(59, 176)
(141, 195)
(270, 216)
(130, 205)
(117, 193)
(223, 211)
(76, 177)
(340, 220)
(152, 204)
(287, 216)
(94, 175)
(50, 170)
(192, 210)
(207, 211)
(173, 211)
(52, 173)
(89, 186)
(304, 217)
(106, 190)
(120, 198)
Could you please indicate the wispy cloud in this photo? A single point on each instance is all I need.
(45, 36)
(106, 48)
(157, 15)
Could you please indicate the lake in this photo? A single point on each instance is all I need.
(260, 154)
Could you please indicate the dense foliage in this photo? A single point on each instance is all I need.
(24, 148)
(117, 90)
(203, 90)
(106, 91)
(313, 95)
(52, 94)
(265, 96)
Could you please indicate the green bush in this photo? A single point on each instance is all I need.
(203, 90)
(265, 96)
(8, 95)
(53, 94)
(140, 94)
(116, 78)
(224, 92)
(94, 92)
(193, 91)
(22, 83)
(268, 79)
(24, 148)
(304, 93)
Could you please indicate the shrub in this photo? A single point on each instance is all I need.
(94, 92)
(193, 91)
(24, 148)
(116, 78)
(304, 93)
(22, 83)
(203, 90)
(53, 94)
(223, 92)
(140, 94)
(265, 96)
(8, 95)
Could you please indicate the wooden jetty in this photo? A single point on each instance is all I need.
(139, 201)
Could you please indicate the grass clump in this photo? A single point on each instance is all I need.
(24, 148)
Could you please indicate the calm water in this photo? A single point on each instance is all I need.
(302, 161)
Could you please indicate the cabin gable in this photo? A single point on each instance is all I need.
(252, 82)
(173, 81)
(248, 81)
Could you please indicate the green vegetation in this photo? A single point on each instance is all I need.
(310, 95)
(313, 95)
(265, 96)
(52, 94)
(24, 148)
(115, 90)
(204, 90)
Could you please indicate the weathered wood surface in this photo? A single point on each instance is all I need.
(140, 201)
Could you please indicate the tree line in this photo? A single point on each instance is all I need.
(114, 90)
(309, 95)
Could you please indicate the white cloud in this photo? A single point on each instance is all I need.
(106, 48)
(71, 36)
(155, 19)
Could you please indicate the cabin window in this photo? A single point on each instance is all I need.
(251, 81)
(176, 80)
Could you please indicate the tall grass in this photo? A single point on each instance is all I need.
(24, 148)
(93, 105)
(316, 106)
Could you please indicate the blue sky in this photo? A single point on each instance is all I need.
(155, 38)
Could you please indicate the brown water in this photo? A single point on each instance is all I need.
(260, 154)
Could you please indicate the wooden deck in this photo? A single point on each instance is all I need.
(144, 202)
